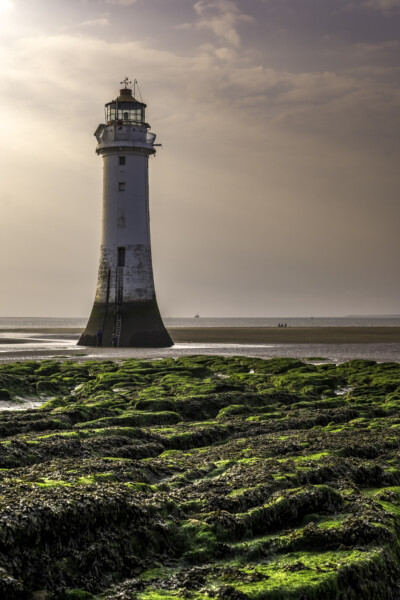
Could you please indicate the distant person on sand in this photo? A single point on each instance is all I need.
(99, 338)
(114, 340)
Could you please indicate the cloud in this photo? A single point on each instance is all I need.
(121, 2)
(226, 54)
(211, 89)
(375, 51)
(385, 6)
(100, 22)
(208, 80)
(288, 156)
(222, 17)
(183, 26)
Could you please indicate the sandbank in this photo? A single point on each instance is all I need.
(286, 335)
(245, 335)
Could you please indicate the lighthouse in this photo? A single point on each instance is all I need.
(125, 311)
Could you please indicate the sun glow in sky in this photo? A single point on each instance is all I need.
(276, 191)
(5, 5)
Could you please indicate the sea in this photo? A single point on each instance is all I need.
(350, 321)
(25, 338)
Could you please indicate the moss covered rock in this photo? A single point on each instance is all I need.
(201, 477)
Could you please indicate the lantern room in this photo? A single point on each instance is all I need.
(126, 110)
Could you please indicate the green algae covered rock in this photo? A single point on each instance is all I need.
(201, 477)
(4, 394)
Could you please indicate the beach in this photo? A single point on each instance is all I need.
(239, 335)
(224, 445)
(286, 335)
(380, 343)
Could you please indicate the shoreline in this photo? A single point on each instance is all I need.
(338, 344)
(236, 335)
(286, 335)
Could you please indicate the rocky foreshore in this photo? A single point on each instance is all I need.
(200, 477)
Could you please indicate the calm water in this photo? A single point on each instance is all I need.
(39, 322)
(19, 345)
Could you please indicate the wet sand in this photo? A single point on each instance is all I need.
(43, 330)
(286, 335)
(242, 335)
(334, 343)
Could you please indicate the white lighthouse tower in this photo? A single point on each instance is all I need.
(125, 311)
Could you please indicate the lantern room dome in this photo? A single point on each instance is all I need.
(125, 95)
(126, 110)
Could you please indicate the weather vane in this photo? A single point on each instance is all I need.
(126, 82)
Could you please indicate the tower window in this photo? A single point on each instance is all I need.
(121, 160)
(121, 256)
(121, 186)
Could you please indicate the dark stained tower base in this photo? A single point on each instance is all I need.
(141, 326)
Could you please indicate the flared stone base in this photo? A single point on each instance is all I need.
(141, 326)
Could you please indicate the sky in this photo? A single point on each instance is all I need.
(276, 190)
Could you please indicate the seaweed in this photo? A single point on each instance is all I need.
(201, 477)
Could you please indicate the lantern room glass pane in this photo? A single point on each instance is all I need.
(127, 116)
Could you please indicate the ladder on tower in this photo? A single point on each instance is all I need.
(119, 298)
